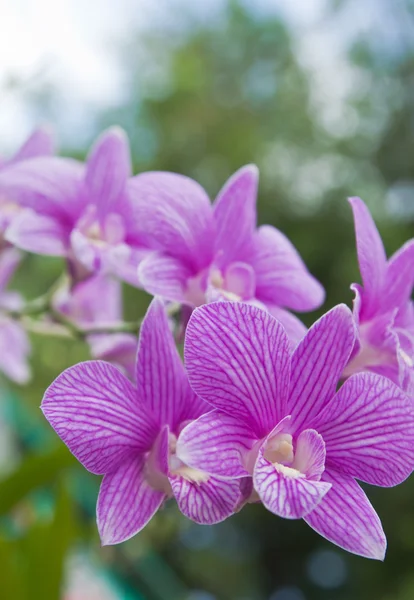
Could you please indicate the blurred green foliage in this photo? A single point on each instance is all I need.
(203, 101)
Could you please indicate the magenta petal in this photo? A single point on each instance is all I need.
(216, 443)
(346, 517)
(368, 429)
(49, 185)
(173, 214)
(39, 234)
(235, 215)
(126, 502)
(281, 276)
(161, 380)
(399, 279)
(294, 327)
(107, 170)
(317, 364)
(371, 255)
(39, 143)
(164, 276)
(286, 495)
(310, 454)
(237, 359)
(206, 502)
(95, 410)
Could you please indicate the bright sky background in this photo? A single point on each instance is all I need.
(70, 45)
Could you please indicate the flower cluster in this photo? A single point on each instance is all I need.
(261, 410)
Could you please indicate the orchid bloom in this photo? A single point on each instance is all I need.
(279, 419)
(14, 343)
(97, 301)
(205, 253)
(39, 143)
(83, 213)
(383, 307)
(129, 434)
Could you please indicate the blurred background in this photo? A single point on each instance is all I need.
(320, 95)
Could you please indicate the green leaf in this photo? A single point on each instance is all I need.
(34, 472)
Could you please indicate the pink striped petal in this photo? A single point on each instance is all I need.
(164, 276)
(126, 502)
(346, 518)
(294, 327)
(371, 256)
(235, 215)
(237, 359)
(216, 443)
(281, 276)
(310, 454)
(317, 364)
(368, 429)
(95, 410)
(39, 234)
(286, 494)
(107, 170)
(161, 380)
(207, 502)
(399, 279)
(173, 214)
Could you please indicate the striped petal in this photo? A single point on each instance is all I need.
(346, 518)
(317, 364)
(126, 502)
(94, 409)
(368, 429)
(237, 359)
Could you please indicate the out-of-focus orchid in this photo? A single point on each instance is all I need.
(383, 308)
(40, 143)
(279, 418)
(207, 253)
(81, 212)
(97, 301)
(130, 435)
(14, 343)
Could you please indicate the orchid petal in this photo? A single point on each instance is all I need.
(39, 143)
(291, 496)
(49, 185)
(94, 409)
(399, 278)
(294, 327)
(126, 502)
(317, 364)
(207, 502)
(237, 359)
(107, 170)
(239, 279)
(368, 429)
(161, 380)
(346, 518)
(164, 276)
(217, 444)
(173, 214)
(38, 234)
(371, 255)
(9, 261)
(235, 215)
(281, 276)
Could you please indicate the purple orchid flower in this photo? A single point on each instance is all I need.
(207, 253)
(279, 418)
(40, 143)
(14, 343)
(383, 307)
(130, 433)
(81, 212)
(97, 301)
